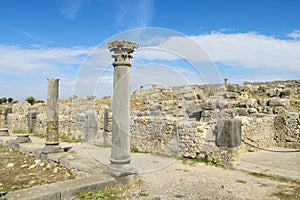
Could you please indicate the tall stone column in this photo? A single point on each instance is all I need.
(52, 136)
(120, 151)
(105, 127)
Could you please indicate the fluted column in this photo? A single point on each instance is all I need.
(120, 151)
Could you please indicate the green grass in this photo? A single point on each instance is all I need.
(156, 198)
(288, 193)
(40, 135)
(143, 194)
(258, 175)
(64, 138)
(20, 131)
(103, 145)
(27, 186)
(178, 196)
(241, 181)
(98, 195)
(214, 162)
(109, 193)
(134, 149)
(12, 188)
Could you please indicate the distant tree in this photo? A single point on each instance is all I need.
(10, 100)
(3, 100)
(30, 100)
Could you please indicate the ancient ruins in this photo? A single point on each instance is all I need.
(187, 121)
(211, 121)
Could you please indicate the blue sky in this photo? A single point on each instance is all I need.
(194, 42)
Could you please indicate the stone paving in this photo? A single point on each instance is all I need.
(278, 162)
(94, 160)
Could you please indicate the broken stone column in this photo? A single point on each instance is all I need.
(4, 125)
(5, 117)
(229, 132)
(90, 135)
(120, 151)
(52, 136)
(23, 138)
(31, 121)
(4, 132)
(105, 126)
(226, 81)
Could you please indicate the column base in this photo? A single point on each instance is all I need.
(23, 138)
(52, 147)
(120, 168)
(4, 132)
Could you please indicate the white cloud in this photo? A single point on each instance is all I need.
(295, 34)
(251, 50)
(70, 8)
(246, 50)
(25, 33)
(263, 58)
(20, 61)
(134, 13)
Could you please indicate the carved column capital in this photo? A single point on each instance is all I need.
(122, 51)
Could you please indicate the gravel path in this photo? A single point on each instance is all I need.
(189, 180)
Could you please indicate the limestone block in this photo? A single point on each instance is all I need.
(241, 111)
(233, 88)
(231, 95)
(252, 110)
(278, 102)
(262, 88)
(155, 107)
(215, 103)
(201, 96)
(190, 97)
(229, 132)
(273, 92)
(286, 93)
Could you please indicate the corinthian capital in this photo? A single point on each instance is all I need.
(122, 49)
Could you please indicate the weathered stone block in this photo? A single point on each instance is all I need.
(273, 92)
(278, 102)
(252, 110)
(241, 111)
(91, 132)
(189, 97)
(229, 132)
(231, 95)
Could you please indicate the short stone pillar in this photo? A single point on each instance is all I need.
(31, 121)
(23, 138)
(105, 126)
(229, 132)
(226, 81)
(120, 151)
(5, 112)
(4, 132)
(91, 127)
(52, 136)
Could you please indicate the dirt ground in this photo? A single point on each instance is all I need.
(20, 170)
(191, 180)
(183, 179)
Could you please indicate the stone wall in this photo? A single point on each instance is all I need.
(183, 120)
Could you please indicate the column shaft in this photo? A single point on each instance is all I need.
(120, 151)
(52, 135)
(121, 115)
(52, 111)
